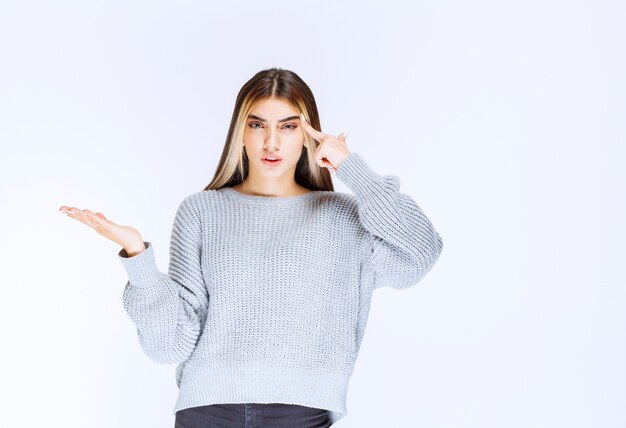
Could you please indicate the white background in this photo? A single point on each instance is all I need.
(504, 121)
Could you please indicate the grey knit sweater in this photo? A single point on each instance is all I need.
(266, 299)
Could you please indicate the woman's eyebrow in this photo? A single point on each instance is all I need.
(253, 116)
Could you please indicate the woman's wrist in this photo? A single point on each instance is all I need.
(134, 249)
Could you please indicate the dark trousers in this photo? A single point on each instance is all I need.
(252, 415)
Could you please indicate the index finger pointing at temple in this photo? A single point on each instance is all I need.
(309, 129)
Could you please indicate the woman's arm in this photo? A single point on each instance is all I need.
(404, 244)
(169, 310)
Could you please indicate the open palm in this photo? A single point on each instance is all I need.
(126, 236)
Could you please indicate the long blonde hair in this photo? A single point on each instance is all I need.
(278, 83)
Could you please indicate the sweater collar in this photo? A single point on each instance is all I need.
(268, 200)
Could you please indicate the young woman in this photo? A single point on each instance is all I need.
(271, 271)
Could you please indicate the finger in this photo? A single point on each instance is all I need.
(90, 219)
(64, 209)
(71, 211)
(93, 217)
(317, 135)
(323, 161)
(325, 164)
(319, 156)
(99, 220)
(103, 217)
(342, 137)
(80, 216)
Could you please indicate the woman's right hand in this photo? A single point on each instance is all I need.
(126, 236)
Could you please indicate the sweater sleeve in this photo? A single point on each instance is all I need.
(403, 244)
(168, 310)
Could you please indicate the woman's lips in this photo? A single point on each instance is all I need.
(271, 163)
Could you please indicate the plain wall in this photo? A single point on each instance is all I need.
(504, 121)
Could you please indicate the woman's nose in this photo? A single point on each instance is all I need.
(271, 142)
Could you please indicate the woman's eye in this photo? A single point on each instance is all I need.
(253, 125)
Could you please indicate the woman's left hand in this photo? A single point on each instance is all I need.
(331, 150)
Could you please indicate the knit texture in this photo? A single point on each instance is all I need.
(266, 299)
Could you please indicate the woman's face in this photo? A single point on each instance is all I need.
(273, 130)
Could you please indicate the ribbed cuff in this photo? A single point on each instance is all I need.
(141, 268)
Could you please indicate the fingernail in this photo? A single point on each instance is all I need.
(345, 134)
